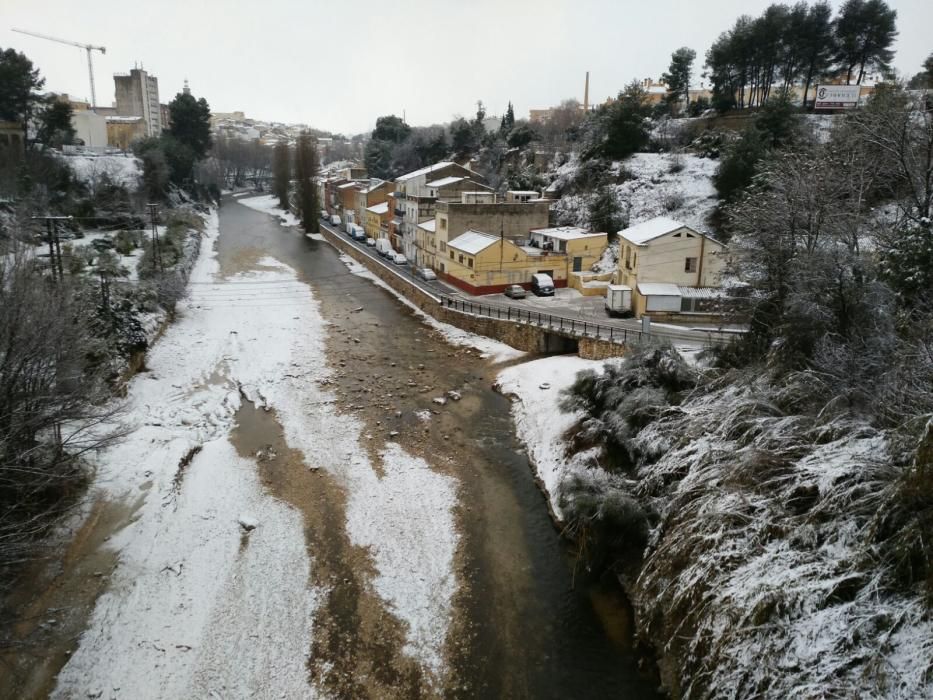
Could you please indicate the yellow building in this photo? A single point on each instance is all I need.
(662, 260)
(376, 223)
(123, 131)
(581, 248)
(480, 263)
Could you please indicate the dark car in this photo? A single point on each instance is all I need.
(515, 291)
(542, 285)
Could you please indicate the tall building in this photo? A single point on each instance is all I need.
(138, 96)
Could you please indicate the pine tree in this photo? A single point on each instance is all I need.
(508, 121)
(865, 31)
(678, 75)
(19, 86)
(306, 175)
(281, 173)
(191, 123)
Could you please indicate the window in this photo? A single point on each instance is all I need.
(690, 265)
(443, 247)
(451, 255)
(460, 259)
(470, 262)
(443, 224)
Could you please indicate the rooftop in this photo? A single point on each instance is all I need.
(444, 181)
(428, 225)
(379, 208)
(649, 230)
(565, 233)
(423, 171)
(658, 289)
(473, 242)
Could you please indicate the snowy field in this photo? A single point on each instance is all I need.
(190, 612)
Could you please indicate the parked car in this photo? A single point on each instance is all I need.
(371, 242)
(426, 273)
(335, 220)
(542, 285)
(398, 259)
(515, 291)
(323, 215)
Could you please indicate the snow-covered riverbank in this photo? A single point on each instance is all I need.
(197, 606)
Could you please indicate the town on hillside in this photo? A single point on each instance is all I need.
(595, 363)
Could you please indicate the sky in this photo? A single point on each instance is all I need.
(338, 65)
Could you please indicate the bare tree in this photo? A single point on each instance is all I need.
(55, 403)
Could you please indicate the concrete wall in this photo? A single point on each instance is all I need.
(91, 128)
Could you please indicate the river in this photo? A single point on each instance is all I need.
(520, 626)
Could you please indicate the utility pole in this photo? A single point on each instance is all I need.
(156, 248)
(55, 248)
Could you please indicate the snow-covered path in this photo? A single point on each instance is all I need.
(197, 607)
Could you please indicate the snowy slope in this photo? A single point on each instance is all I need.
(653, 190)
(761, 578)
(123, 170)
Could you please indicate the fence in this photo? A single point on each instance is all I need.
(573, 327)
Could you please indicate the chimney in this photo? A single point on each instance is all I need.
(586, 93)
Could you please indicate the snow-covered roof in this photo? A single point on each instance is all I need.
(423, 171)
(379, 208)
(473, 242)
(428, 225)
(701, 292)
(658, 289)
(444, 181)
(649, 230)
(373, 186)
(565, 233)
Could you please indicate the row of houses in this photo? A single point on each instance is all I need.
(445, 217)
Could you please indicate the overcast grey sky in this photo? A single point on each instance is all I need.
(339, 65)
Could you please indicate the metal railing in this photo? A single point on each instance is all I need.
(575, 327)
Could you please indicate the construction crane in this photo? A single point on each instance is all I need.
(86, 47)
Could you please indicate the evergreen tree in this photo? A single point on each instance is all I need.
(508, 121)
(191, 123)
(617, 130)
(678, 75)
(924, 79)
(281, 173)
(605, 214)
(19, 86)
(55, 127)
(462, 138)
(391, 128)
(819, 44)
(865, 31)
(306, 175)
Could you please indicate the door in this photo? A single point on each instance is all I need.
(577, 264)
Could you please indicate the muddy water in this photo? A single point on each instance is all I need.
(521, 628)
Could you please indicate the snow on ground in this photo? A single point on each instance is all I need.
(270, 204)
(193, 612)
(489, 348)
(535, 389)
(123, 170)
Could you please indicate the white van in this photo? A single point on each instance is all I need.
(334, 220)
(383, 247)
(398, 259)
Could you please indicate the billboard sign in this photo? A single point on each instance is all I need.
(837, 96)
